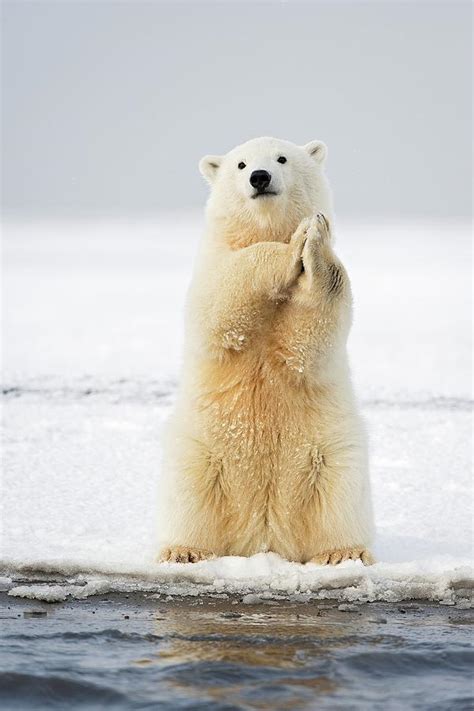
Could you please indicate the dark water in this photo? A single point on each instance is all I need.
(142, 653)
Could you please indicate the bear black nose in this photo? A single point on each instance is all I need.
(260, 179)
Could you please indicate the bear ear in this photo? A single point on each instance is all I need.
(209, 165)
(317, 150)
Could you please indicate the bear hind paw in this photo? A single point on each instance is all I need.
(340, 555)
(183, 554)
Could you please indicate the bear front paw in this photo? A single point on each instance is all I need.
(318, 230)
(183, 554)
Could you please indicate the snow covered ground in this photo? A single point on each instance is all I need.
(92, 337)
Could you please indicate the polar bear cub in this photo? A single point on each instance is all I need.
(265, 450)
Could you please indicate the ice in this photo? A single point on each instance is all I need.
(264, 576)
(92, 341)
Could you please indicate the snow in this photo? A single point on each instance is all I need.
(92, 340)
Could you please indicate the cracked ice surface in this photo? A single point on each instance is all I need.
(92, 338)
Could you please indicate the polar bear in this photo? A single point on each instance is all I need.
(265, 450)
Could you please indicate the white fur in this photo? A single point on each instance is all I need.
(265, 449)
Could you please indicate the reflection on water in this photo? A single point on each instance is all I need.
(145, 653)
(246, 655)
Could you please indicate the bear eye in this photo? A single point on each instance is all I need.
(282, 159)
(241, 165)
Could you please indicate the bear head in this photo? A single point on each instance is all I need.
(262, 189)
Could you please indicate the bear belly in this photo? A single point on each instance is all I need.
(263, 441)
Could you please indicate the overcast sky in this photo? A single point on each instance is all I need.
(108, 106)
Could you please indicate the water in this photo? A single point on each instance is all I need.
(143, 652)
